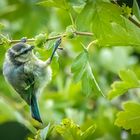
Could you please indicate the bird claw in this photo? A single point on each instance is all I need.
(24, 40)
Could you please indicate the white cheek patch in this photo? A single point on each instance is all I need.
(23, 58)
(12, 51)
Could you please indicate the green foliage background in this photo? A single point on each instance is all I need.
(73, 106)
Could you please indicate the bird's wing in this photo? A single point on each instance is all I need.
(29, 89)
(30, 81)
(22, 81)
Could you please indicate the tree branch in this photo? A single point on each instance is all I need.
(53, 37)
(83, 33)
(134, 21)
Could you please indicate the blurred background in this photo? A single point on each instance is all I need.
(62, 98)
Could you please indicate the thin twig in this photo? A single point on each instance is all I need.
(134, 21)
(16, 41)
(84, 33)
(53, 37)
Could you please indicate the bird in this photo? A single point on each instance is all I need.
(27, 74)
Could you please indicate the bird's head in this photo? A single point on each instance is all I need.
(20, 53)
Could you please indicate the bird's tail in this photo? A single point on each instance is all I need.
(34, 109)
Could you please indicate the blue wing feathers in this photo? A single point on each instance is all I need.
(34, 109)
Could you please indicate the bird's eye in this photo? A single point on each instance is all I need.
(25, 51)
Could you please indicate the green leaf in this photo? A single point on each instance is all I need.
(129, 80)
(83, 21)
(108, 25)
(101, 16)
(82, 71)
(79, 7)
(44, 132)
(112, 29)
(130, 117)
(136, 10)
(89, 84)
(87, 135)
(71, 131)
(79, 64)
(62, 4)
(40, 40)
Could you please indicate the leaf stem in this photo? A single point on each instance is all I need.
(72, 20)
(92, 43)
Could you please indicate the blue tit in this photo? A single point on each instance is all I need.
(27, 74)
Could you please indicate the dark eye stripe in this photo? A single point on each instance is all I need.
(12, 53)
(27, 50)
(24, 52)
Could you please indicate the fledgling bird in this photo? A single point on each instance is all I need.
(27, 74)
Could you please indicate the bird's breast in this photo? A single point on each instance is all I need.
(42, 74)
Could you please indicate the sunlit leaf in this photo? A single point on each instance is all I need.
(69, 130)
(112, 29)
(129, 80)
(130, 117)
(108, 25)
(86, 135)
